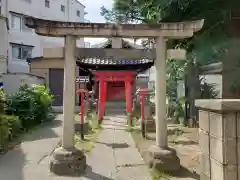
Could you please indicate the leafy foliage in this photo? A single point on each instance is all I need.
(207, 46)
(9, 125)
(175, 72)
(31, 104)
(28, 107)
(208, 91)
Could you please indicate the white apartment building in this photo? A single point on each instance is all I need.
(3, 44)
(23, 42)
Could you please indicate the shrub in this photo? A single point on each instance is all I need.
(43, 102)
(2, 101)
(14, 125)
(10, 127)
(31, 104)
(4, 132)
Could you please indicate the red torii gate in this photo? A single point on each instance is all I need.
(110, 76)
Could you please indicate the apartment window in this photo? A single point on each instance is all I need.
(78, 13)
(21, 52)
(47, 3)
(62, 8)
(17, 23)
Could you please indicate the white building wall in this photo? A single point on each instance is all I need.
(27, 37)
(3, 44)
(13, 81)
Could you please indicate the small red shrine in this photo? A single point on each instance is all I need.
(114, 78)
(106, 73)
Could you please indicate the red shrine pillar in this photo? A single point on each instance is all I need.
(104, 98)
(100, 96)
(128, 92)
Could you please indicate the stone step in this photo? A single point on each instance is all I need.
(116, 104)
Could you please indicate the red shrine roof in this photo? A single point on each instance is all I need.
(137, 65)
(111, 61)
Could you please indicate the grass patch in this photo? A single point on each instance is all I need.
(129, 129)
(93, 121)
(88, 143)
(156, 175)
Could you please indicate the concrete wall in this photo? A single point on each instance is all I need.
(219, 137)
(28, 37)
(3, 44)
(13, 81)
(41, 67)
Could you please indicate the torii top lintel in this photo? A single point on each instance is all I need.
(176, 30)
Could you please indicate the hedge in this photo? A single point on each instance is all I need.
(28, 107)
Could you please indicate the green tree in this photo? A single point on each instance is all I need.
(206, 47)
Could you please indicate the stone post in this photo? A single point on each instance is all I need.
(161, 156)
(78, 123)
(219, 136)
(67, 160)
(128, 92)
(149, 121)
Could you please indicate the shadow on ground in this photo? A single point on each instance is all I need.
(182, 142)
(118, 125)
(37, 134)
(12, 164)
(93, 175)
(20, 161)
(119, 129)
(185, 173)
(115, 145)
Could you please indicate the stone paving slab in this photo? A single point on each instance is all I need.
(138, 172)
(114, 156)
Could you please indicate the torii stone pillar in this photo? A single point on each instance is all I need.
(161, 156)
(67, 159)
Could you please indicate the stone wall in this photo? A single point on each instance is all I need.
(219, 137)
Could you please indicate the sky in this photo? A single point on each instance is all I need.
(93, 10)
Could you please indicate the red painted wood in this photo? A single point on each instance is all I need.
(82, 93)
(104, 98)
(100, 100)
(116, 91)
(82, 107)
(114, 76)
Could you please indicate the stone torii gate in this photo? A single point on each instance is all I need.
(67, 159)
